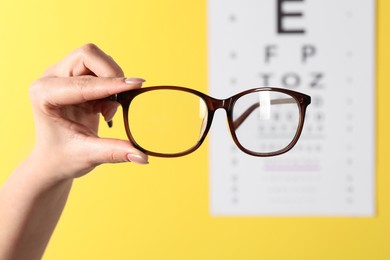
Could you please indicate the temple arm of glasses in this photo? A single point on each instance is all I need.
(111, 98)
(246, 113)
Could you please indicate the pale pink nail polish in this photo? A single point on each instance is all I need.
(137, 158)
(134, 80)
(110, 114)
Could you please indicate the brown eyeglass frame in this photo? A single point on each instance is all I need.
(303, 100)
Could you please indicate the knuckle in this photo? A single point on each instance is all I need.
(115, 157)
(80, 84)
(88, 49)
(36, 90)
(39, 94)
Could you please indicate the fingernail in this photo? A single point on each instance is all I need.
(136, 158)
(110, 114)
(134, 80)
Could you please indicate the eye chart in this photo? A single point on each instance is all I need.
(323, 48)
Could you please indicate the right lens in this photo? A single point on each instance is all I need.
(266, 121)
(167, 121)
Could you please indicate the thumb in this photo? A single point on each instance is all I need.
(116, 151)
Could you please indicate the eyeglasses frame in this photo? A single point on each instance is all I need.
(125, 99)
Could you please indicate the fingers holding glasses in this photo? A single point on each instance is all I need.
(115, 151)
(66, 116)
(58, 92)
(89, 60)
(67, 101)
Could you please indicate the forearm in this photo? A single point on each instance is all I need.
(30, 207)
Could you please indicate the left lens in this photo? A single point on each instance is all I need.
(167, 121)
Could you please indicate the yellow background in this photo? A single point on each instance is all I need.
(161, 211)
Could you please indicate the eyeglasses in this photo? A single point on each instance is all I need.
(171, 121)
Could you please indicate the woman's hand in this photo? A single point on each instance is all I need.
(67, 103)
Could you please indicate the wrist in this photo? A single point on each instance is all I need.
(40, 172)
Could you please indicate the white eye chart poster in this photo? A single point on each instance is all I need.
(325, 49)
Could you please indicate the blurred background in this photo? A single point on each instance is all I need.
(161, 211)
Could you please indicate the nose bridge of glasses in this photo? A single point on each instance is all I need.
(220, 103)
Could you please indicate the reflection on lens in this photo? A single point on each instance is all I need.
(266, 121)
(167, 121)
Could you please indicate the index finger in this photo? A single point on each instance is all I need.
(86, 60)
(78, 90)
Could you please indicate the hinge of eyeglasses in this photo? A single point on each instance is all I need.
(113, 98)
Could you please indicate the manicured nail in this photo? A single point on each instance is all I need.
(110, 114)
(134, 80)
(136, 158)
